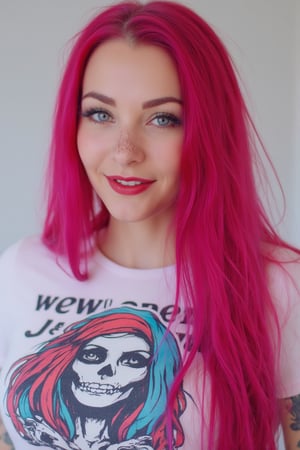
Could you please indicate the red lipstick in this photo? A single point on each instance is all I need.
(128, 185)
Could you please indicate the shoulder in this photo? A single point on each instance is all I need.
(283, 277)
(283, 272)
(23, 253)
(27, 244)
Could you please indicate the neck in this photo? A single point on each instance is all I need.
(137, 245)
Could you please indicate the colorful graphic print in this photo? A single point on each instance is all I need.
(102, 385)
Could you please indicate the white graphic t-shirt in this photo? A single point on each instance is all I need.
(88, 364)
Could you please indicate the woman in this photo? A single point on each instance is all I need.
(152, 202)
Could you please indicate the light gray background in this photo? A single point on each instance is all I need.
(261, 35)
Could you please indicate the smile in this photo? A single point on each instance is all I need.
(128, 183)
(129, 186)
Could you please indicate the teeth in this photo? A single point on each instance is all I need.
(98, 389)
(129, 183)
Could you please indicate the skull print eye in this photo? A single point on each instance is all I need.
(92, 355)
(135, 359)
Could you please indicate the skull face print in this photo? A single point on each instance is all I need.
(108, 368)
(101, 384)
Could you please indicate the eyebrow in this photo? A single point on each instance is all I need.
(148, 104)
(100, 97)
(161, 101)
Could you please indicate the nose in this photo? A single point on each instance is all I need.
(128, 150)
(106, 371)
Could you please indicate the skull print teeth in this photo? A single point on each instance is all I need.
(98, 389)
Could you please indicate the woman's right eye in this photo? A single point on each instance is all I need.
(97, 115)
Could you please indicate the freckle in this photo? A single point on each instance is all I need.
(124, 143)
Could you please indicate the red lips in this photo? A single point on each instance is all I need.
(129, 185)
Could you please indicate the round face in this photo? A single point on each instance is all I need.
(130, 131)
(108, 368)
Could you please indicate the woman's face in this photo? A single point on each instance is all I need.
(130, 132)
(108, 368)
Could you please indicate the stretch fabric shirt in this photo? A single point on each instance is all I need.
(86, 365)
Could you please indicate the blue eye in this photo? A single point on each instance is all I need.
(165, 120)
(97, 115)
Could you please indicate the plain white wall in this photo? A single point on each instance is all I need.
(261, 35)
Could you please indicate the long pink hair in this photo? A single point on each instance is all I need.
(221, 227)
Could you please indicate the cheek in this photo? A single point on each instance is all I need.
(170, 159)
(84, 145)
(90, 148)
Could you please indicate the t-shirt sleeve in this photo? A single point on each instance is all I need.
(7, 281)
(285, 289)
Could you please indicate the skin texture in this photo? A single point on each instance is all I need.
(133, 132)
(290, 420)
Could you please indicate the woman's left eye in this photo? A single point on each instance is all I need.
(165, 120)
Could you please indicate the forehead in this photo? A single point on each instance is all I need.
(119, 65)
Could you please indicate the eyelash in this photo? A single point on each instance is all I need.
(89, 113)
(173, 120)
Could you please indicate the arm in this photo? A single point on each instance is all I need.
(5, 442)
(290, 421)
(284, 284)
